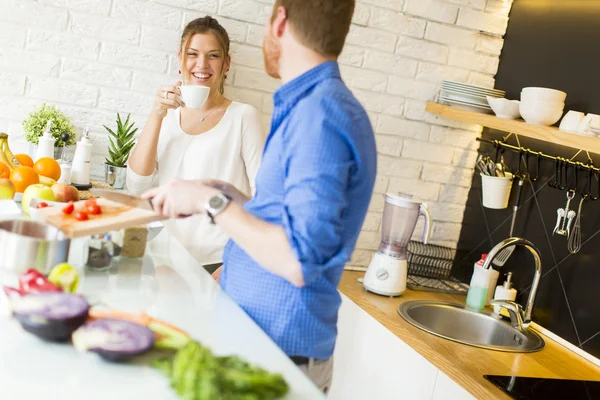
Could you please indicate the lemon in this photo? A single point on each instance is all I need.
(65, 276)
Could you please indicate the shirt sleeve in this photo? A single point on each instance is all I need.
(253, 142)
(318, 164)
(137, 184)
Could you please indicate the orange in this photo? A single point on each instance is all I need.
(22, 177)
(47, 167)
(4, 170)
(24, 160)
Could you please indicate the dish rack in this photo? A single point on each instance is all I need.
(429, 268)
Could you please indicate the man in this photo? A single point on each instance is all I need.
(290, 242)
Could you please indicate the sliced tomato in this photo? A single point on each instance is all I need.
(90, 202)
(68, 209)
(81, 216)
(43, 204)
(94, 209)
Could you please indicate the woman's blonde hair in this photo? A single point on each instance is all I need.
(203, 26)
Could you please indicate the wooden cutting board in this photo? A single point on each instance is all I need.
(114, 216)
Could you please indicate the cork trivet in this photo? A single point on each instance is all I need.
(86, 194)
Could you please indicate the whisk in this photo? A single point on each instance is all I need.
(574, 244)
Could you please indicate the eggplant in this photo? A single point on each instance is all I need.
(52, 316)
(114, 339)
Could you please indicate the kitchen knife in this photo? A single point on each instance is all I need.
(124, 198)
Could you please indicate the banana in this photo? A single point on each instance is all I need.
(8, 157)
(4, 160)
(47, 181)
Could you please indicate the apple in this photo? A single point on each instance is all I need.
(37, 191)
(65, 193)
(7, 189)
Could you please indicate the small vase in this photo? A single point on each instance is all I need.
(115, 176)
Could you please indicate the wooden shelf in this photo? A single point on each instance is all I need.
(520, 127)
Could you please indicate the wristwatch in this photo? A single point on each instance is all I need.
(216, 205)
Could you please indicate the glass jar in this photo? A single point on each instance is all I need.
(100, 252)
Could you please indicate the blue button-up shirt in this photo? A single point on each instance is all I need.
(315, 180)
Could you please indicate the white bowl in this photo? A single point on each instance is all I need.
(529, 99)
(9, 209)
(542, 106)
(504, 108)
(539, 116)
(545, 94)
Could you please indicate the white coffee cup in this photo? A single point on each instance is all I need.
(589, 120)
(571, 120)
(194, 96)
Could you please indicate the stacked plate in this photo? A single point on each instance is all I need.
(467, 97)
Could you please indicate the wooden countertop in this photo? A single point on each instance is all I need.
(464, 364)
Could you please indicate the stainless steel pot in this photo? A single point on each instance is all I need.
(29, 244)
(115, 176)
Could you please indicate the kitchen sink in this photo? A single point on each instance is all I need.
(459, 324)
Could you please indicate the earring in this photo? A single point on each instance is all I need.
(225, 76)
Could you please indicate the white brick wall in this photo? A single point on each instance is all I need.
(96, 57)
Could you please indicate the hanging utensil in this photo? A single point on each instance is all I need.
(574, 244)
(505, 254)
(563, 227)
(516, 205)
(537, 171)
(554, 183)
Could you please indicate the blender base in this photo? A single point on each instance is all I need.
(386, 275)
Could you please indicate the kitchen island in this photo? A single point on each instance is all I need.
(167, 284)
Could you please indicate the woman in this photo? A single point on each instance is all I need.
(221, 140)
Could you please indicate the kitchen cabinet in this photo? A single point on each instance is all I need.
(373, 363)
(446, 389)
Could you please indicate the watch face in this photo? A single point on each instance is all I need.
(216, 202)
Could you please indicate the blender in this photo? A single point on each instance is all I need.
(388, 270)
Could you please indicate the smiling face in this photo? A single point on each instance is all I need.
(203, 61)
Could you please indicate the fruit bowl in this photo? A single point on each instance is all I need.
(9, 209)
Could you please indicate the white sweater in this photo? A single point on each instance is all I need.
(231, 152)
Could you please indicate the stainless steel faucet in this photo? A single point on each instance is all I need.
(520, 319)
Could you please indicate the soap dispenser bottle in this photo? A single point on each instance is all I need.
(505, 292)
(80, 169)
(46, 143)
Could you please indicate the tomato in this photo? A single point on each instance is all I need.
(69, 208)
(90, 202)
(94, 209)
(43, 204)
(81, 216)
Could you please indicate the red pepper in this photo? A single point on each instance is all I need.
(33, 281)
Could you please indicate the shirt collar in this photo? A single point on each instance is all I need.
(292, 91)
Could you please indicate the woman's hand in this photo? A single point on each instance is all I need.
(167, 98)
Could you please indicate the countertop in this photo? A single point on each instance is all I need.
(167, 284)
(466, 365)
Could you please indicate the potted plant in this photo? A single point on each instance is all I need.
(62, 125)
(122, 141)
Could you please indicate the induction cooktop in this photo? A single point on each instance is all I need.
(522, 388)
